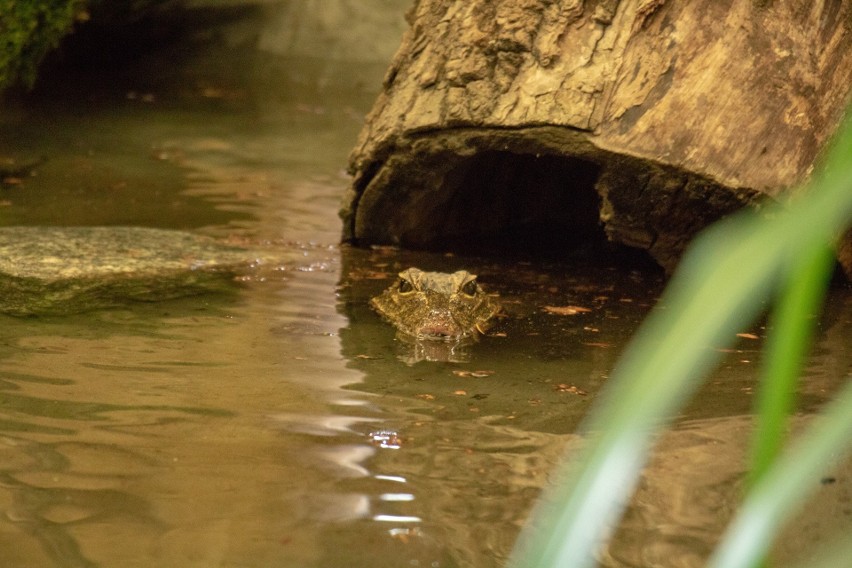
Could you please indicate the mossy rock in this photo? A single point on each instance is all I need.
(62, 270)
(29, 31)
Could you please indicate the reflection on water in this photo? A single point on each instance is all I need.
(287, 425)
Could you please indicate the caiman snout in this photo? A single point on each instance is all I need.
(439, 325)
(434, 305)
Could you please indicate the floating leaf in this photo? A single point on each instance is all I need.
(566, 310)
(562, 387)
(475, 374)
(748, 336)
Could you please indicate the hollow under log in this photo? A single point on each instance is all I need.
(546, 123)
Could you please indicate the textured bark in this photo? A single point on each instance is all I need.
(653, 117)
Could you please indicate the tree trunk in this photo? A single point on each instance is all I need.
(547, 121)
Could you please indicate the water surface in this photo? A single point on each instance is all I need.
(286, 424)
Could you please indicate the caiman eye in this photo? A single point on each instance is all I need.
(470, 288)
(404, 286)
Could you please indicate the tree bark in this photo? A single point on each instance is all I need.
(646, 118)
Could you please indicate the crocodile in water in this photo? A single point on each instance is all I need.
(435, 305)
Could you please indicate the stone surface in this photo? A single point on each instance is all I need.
(59, 270)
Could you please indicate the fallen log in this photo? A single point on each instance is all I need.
(545, 122)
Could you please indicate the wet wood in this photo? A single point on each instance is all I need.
(653, 118)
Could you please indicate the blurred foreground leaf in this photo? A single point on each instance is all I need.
(785, 485)
(724, 282)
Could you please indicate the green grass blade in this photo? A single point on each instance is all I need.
(660, 370)
(785, 486)
(721, 286)
(793, 323)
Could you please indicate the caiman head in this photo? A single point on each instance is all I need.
(435, 305)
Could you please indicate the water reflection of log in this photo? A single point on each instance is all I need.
(476, 447)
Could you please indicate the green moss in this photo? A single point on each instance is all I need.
(28, 31)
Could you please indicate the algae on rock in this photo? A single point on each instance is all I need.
(28, 31)
(61, 270)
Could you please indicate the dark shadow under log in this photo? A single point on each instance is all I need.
(541, 125)
(538, 190)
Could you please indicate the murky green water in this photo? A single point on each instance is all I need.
(246, 430)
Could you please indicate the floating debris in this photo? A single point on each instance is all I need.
(385, 439)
